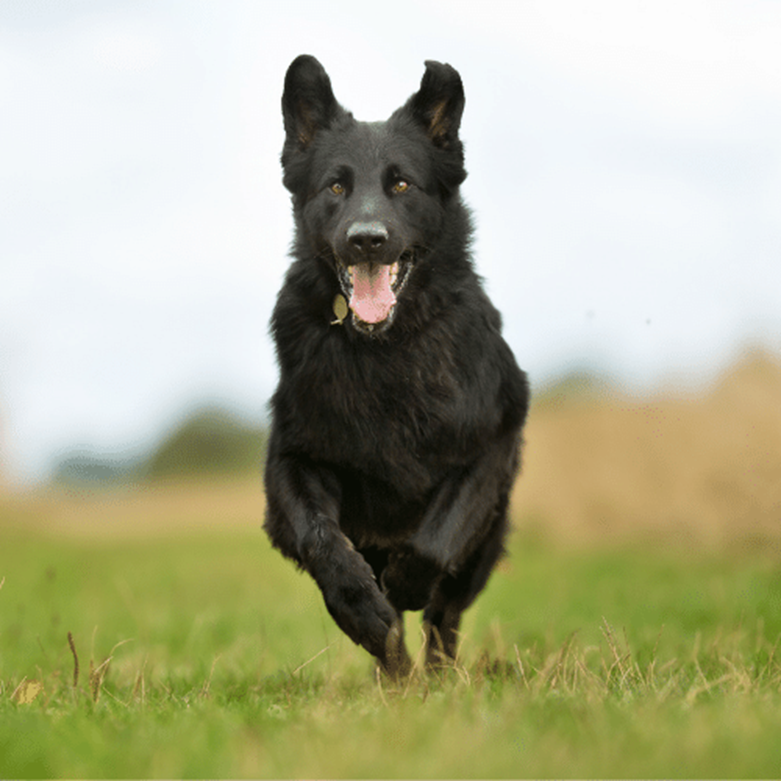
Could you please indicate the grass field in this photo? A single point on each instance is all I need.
(633, 631)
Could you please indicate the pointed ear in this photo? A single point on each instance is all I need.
(439, 103)
(308, 103)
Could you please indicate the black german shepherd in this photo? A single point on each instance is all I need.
(397, 419)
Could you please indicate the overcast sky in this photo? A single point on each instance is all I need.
(625, 174)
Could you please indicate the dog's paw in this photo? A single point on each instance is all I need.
(355, 601)
(409, 580)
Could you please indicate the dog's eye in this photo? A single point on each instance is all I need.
(337, 188)
(400, 187)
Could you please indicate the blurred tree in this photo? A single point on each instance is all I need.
(84, 467)
(576, 385)
(212, 440)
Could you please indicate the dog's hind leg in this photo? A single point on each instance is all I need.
(455, 593)
(440, 626)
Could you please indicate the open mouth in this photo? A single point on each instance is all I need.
(372, 290)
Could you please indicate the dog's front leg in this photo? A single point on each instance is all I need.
(351, 594)
(302, 514)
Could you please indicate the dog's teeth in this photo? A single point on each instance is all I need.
(394, 273)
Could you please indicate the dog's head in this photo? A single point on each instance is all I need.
(370, 198)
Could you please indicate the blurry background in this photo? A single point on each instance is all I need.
(625, 174)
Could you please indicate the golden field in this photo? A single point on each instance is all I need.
(687, 470)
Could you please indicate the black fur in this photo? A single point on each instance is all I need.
(394, 443)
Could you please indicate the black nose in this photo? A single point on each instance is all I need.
(367, 236)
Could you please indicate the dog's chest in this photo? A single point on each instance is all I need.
(389, 413)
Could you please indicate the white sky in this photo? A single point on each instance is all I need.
(625, 174)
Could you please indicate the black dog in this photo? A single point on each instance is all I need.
(397, 419)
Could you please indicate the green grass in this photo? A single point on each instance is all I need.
(223, 662)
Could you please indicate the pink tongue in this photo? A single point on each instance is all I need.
(372, 298)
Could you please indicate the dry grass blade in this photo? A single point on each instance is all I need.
(621, 660)
(309, 661)
(695, 692)
(75, 660)
(378, 680)
(208, 682)
(521, 668)
(96, 677)
(139, 686)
